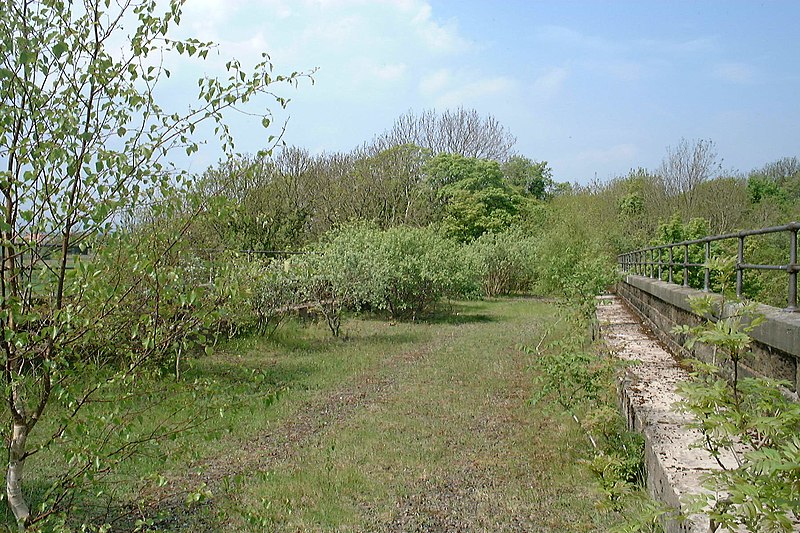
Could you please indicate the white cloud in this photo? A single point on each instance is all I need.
(339, 32)
(439, 38)
(390, 72)
(469, 94)
(327, 33)
(446, 88)
(567, 37)
(551, 82)
(376, 58)
(436, 82)
(734, 73)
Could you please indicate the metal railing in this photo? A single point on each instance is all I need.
(655, 260)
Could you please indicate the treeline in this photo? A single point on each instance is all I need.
(415, 203)
(639, 209)
(423, 171)
(690, 196)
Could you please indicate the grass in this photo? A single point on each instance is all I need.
(401, 426)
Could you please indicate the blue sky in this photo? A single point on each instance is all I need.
(594, 88)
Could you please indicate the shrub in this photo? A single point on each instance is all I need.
(404, 271)
(751, 419)
(503, 262)
(416, 269)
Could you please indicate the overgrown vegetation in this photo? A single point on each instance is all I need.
(576, 377)
(748, 425)
(120, 273)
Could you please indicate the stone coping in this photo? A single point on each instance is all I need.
(648, 398)
(780, 329)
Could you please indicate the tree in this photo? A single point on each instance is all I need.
(82, 140)
(532, 177)
(774, 191)
(782, 170)
(247, 207)
(724, 202)
(474, 197)
(460, 131)
(684, 168)
(387, 186)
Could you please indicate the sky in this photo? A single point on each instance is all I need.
(594, 88)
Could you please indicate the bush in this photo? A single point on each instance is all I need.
(404, 271)
(574, 269)
(504, 262)
(416, 268)
(151, 306)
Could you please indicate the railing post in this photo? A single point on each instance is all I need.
(792, 269)
(739, 269)
(706, 269)
(660, 262)
(685, 265)
(652, 264)
(671, 259)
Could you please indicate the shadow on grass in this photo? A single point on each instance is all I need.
(458, 313)
(34, 492)
(269, 374)
(457, 318)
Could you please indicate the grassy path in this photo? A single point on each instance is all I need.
(409, 427)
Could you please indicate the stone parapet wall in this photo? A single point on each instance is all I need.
(775, 352)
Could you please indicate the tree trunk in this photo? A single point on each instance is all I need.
(16, 462)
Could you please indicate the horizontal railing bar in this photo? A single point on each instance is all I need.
(766, 267)
(645, 260)
(748, 233)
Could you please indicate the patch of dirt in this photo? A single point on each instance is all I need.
(457, 503)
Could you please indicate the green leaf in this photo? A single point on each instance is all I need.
(26, 57)
(59, 49)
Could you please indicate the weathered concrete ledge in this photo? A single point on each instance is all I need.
(776, 350)
(648, 398)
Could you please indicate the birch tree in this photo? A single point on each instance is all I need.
(82, 138)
